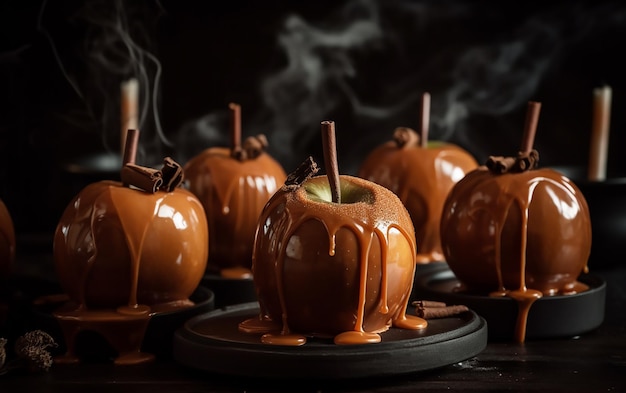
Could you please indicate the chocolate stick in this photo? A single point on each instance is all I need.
(235, 126)
(330, 159)
(424, 119)
(130, 147)
(530, 127)
(599, 134)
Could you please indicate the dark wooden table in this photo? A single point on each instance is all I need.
(592, 362)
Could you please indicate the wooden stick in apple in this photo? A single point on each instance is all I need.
(235, 128)
(424, 119)
(330, 159)
(530, 127)
(130, 147)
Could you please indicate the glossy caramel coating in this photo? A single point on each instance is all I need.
(7, 242)
(333, 270)
(233, 193)
(117, 246)
(500, 231)
(422, 178)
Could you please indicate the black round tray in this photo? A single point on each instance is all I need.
(549, 316)
(212, 342)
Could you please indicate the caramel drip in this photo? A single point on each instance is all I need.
(135, 227)
(365, 231)
(366, 224)
(124, 332)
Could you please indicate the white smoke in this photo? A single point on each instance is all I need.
(368, 64)
(112, 51)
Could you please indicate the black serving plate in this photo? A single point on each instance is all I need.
(549, 316)
(212, 342)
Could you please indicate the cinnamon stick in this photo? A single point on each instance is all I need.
(500, 164)
(530, 127)
(527, 158)
(307, 169)
(429, 309)
(253, 146)
(147, 179)
(428, 303)
(172, 174)
(235, 130)
(441, 312)
(330, 159)
(130, 147)
(599, 134)
(424, 119)
(405, 137)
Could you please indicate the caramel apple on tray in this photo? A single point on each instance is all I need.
(512, 229)
(127, 251)
(233, 184)
(334, 256)
(421, 172)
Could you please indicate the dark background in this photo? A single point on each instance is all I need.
(291, 65)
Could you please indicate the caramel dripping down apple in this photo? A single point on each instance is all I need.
(233, 184)
(124, 251)
(328, 269)
(512, 229)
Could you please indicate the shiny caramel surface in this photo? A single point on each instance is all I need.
(333, 270)
(422, 178)
(233, 193)
(523, 235)
(117, 246)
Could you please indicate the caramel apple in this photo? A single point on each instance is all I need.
(7, 241)
(126, 250)
(510, 228)
(233, 184)
(334, 257)
(421, 173)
